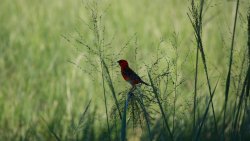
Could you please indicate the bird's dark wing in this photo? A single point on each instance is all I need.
(130, 73)
(132, 77)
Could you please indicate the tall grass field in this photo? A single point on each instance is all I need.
(60, 80)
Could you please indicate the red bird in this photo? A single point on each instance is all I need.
(129, 75)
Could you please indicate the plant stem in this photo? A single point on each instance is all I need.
(229, 71)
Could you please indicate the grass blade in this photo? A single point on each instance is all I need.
(229, 70)
(140, 100)
(52, 132)
(205, 114)
(196, 22)
(111, 86)
(161, 108)
(124, 123)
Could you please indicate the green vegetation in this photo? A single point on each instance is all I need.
(60, 80)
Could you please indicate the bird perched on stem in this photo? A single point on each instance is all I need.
(129, 75)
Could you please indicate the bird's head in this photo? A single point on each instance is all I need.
(123, 63)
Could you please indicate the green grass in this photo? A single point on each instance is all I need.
(48, 74)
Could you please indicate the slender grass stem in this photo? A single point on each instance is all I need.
(82, 117)
(229, 71)
(52, 132)
(161, 108)
(205, 114)
(105, 102)
(195, 88)
(244, 90)
(111, 86)
(176, 78)
(141, 103)
(124, 122)
(196, 22)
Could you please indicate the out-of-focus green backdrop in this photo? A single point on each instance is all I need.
(39, 85)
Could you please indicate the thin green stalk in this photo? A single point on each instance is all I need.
(244, 118)
(176, 78)
(124, 123)
(105, 102)
(205, 114)
(195, 87)
(229, 71)
(244, 90)
(82, 117)
(197, 26)
(101, 56)
(51, 130)
(161, 108)
(111, 86)
(140, 100)
(238, 88)
(248, 44)
(99, 43)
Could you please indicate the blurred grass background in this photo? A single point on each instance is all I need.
(37, 82)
